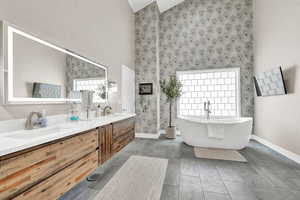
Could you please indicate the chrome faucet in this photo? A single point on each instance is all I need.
(207, 109)
(32, 124)
(107, 110)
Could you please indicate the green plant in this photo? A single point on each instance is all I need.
(173, 90)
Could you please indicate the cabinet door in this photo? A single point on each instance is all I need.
(55, 186)
(24, 170)
(105, 137)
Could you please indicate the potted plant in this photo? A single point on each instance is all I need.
(173, 90)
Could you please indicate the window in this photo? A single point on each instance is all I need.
(92, 84)
(219, 86)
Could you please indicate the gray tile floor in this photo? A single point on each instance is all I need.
(266, 176)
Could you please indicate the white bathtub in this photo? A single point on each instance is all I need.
(234, 133)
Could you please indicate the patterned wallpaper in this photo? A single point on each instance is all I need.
(78, 69)
(201, 34)
(147, 71)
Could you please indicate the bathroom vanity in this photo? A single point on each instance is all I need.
(45, 163)
(46, 167)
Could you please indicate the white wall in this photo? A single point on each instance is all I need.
(100, 30)
(277, 42)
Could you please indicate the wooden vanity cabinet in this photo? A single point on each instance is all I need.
(55, 186)
(47, 171)
(22, 170)
(105, 143)
(123, 133)
(114, 137)
(122, 128)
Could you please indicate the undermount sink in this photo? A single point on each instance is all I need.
(30, 134)
(60, 128)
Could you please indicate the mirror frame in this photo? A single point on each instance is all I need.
(6, 67)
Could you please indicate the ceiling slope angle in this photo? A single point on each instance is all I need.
(138, 5)
(164, 5)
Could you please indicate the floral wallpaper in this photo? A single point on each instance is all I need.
(147, 71)
(79, 69)
(197, 34)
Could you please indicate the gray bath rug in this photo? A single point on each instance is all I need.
(219, 154)
(140, 178)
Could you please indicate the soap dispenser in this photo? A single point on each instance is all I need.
(73, 112)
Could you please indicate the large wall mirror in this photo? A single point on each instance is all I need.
(36, 71)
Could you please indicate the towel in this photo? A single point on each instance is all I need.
(216, 131)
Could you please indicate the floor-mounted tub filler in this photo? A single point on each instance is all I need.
(215, 133)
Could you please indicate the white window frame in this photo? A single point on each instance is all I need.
(237, 84)
(87, 79)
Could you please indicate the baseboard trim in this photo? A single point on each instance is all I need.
(147, 135)
(286, 153)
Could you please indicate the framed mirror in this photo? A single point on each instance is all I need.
(35, 71)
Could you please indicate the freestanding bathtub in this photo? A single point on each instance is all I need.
(215, 133)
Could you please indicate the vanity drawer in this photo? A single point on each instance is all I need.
(58, 184)
(123, 127)
(25, 170)
(122, 141)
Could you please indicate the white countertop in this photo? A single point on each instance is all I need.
(17, 140)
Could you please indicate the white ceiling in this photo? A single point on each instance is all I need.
(163, 5)
(137, 5)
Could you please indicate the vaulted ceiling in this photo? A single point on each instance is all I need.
(163, 5)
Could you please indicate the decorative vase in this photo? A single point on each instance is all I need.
(171, 132)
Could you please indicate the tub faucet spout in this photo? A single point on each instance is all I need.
(207, 109)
